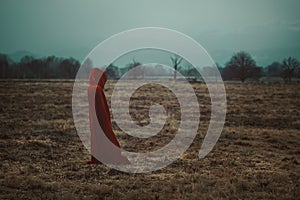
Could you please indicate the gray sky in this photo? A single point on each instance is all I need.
(268, 29)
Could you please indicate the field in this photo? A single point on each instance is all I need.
(256, 157)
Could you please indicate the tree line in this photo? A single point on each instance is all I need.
(28, 67)
(240, 67)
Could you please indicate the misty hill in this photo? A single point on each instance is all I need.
(18, 55)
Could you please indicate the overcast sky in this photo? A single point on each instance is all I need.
(265, 28)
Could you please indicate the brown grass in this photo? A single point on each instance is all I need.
(257, 156)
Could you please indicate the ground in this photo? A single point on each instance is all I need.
(256, 157)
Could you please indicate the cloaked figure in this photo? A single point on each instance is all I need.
(105, 147)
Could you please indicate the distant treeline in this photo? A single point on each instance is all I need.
(38, 68)
(240, 67)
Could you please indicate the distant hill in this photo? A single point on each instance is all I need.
(18, 55)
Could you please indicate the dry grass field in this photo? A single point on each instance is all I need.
(256, 157)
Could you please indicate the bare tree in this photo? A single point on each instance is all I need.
(241, 65)
(135, 69)
(4, 63)
(112, 71)
(274, 70)
(289, 66)
(176, 60)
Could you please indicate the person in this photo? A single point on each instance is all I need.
(105, 146)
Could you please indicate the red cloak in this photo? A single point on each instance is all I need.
(104, 144)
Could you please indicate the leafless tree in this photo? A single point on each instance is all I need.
(176, 60)
(241, 65)
(289, 66)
